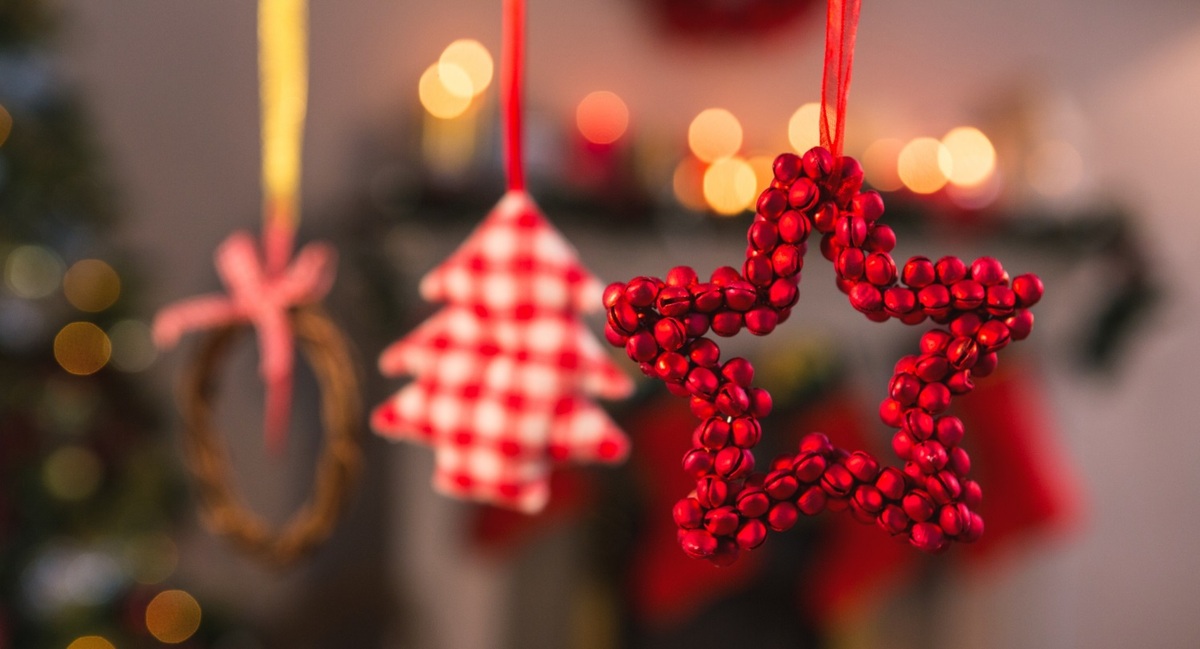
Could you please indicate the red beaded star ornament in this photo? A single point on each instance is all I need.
(662, 325)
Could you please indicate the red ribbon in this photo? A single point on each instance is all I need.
(260, 295)
(512, 64)
(841, 27)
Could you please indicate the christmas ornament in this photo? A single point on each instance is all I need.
(278, 296)
(662, 324)
(504, 371)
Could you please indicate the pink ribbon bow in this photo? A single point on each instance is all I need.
(262, 296)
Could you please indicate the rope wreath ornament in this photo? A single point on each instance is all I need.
(223, 508)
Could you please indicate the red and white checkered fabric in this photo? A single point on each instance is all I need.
(503, 373)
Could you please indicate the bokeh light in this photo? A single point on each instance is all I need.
(470, 57)
(151, 558)
(33, 272)
(729, 185)
(714, 134)
(924, 165)
(91, 642)
(91, 285)
(881, 164)
(688, 184)
(172, 616)
(973, 155)
(1054, 169)
(6, 123)
(133, 348)
(602, 117)
(72, 473)
(445, 91)
(82, 348)
(804, 127)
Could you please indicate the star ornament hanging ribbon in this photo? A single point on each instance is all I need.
(504, 372)
(663, 325)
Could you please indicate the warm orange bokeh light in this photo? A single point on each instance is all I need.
(602, 117)
(973, 155)
(91, 285)
(714, 134)
(804, 131)
(924, 165)
(729, 185)
(172, 616)
(473, 59)
(82, 348)
(880, 164)
(445, 90)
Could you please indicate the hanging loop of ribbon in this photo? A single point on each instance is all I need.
(512, 64)
(263, 287)
(841, 29)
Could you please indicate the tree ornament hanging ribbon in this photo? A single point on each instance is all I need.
(662, 323)
(263, 286)
(278, 295)
(504, 372)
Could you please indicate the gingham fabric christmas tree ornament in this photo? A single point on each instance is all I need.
(505, 372)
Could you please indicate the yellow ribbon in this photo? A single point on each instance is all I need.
(283, 91)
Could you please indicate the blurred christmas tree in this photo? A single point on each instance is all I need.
(88, 483)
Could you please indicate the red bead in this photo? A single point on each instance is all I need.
(868, 499)
(753, 503)
(972, 494)
(918, 272)
(825, 217)
(727, 323)
(733, 462)
(893, 520)
(881, 239)
(746, 432)
(962, 354)
(721, 521)
(974, 529)
(930, 368)
(623, 318)
(904, 388)
(850, 263)
(1000, 300)
(868, 205)
(818, 163)
(815, 443)
(960, 382)
(782, 294)
(949, 431)
(1020, 324)
(934, 297)
(891, 483)
(950, 270)
(891, 412)
(967, 295)
(688, 513)
(880, 269)
(862, 466)
(669, 333)
(837, 481)
(732, 400)
(681, 276)
(771, 203)
(793, 227)
(760, 403)
(751, 535)
(934, 398)
(614, 337)
(787, 167)
(671, 366)
(724, 275)
(902, 444)
(782, 516)
(704, 352)
(966, 324)
(759, 271)
(987, 271)
(713, 434)
(866, 298)
(899, 301)
(711, 492)
(641, 291)
(762, 320)
(697, 462)
(852, 177)
(702, 408)
(695, 324)
(943, 487)
(781, 485)
(787, 260)
(738, 370)
(641, 346)
(954, 518)
(674, 301)
(698, 544)
(739, 295)
(918, 505)
(935, 341)
(1029, 289)
(985, 365)
(927, 537)
(808, 467)
(706, 297)
(763, 235)
(812, 501)
(803, 194)
(851, 231)
(930, 456)
(612, 293)
(918, 424)
(960, 462)
(993, 335)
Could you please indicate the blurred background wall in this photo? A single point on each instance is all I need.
(171, 85)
